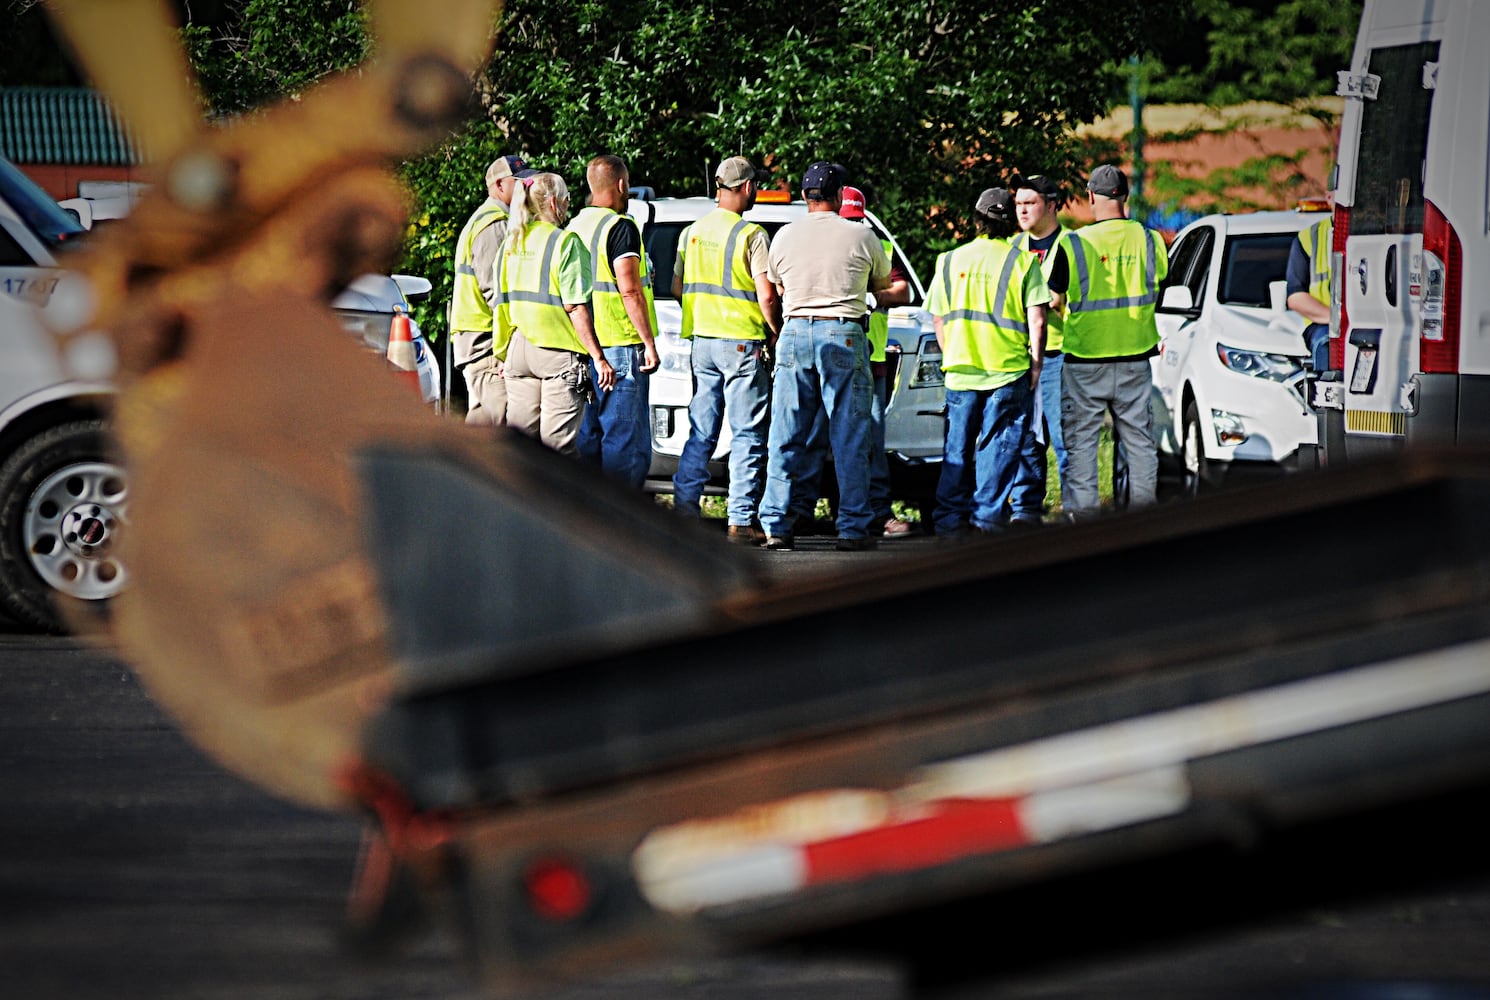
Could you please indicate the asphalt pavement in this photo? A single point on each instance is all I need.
(132, 866)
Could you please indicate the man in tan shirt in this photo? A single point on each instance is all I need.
(823, 265)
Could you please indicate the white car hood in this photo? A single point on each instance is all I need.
(1263, 330)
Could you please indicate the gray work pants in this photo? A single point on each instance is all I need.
(1088, 392)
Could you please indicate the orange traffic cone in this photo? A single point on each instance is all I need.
(401, 349)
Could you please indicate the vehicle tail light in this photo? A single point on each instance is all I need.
(1341, 328)
(558, 889)
(1443, 267)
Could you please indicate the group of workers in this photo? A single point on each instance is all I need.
(1044, 332)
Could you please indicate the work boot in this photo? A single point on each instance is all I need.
(854, 544)
(780, 543)
(895, 527)
(745, 534)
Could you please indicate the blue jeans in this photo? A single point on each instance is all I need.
(729, 382)
(804, 499)
(821, 364)
(616, 431)
(1050, 402)
(879, 459)
(985, 430)
(1027, 502)
(1317, 338)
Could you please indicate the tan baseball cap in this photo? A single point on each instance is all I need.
(503, 167)
(734, 171)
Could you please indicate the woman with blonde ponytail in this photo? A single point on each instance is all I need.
(543, 328)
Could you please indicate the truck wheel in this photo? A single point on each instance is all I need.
(1197, 473)
(63, 502)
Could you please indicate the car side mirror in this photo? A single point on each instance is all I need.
(1177, 299)
(1278, 296)
(414, 287)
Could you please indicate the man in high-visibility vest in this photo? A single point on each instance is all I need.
(988, 304)
(616, 431)
(732, 314)
(899, 293)
(1037, 199)
(1309, 292)
(542, 327)
(1116, 269)
(473, 296)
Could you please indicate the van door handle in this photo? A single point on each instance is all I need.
(1391, 275)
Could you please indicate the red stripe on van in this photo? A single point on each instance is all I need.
(1440, 240)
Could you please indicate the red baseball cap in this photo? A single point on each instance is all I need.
(853, 203)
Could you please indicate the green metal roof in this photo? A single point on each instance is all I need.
(67, 125)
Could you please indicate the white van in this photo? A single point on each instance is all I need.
(1409, 351)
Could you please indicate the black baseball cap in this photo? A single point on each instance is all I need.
(827, 179)
(1040, 184)
(996, 203)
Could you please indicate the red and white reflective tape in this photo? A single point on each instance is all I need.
(1094, 779)
(769, 851)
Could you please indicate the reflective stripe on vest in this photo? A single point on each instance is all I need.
(1317, 240)
(469, 309)
(530, 289)
(1116, 325)
(983, 332)
(613, 326)
(879, 320)
(719, 297)
(1055, 319)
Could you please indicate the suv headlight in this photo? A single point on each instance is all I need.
(1273, 367)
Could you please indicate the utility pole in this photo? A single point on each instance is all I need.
(1136, 207)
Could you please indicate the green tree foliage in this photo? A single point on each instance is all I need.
(267, 49)
(1233, 51)
(925, 104)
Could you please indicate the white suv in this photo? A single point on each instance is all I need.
(915, 419)
(63, 496)
(1229, 379)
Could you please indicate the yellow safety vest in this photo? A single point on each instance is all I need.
(879, 319)
(719, 298)
(613, 326)
(528, 275)
(1116, 268)
(985, 328)
(1317, 241)
(469, 309)
(1054, 319)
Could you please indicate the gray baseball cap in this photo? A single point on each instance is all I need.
(1108, 181)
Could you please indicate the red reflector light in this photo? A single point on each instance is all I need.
(557, 889)
(1337, 241)
(1442, 293)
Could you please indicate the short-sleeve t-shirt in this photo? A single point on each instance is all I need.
(825, 265)
(1060, 271)
(625, 240)
(576, 276)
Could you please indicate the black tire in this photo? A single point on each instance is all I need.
(63, 501)
(1198, 474)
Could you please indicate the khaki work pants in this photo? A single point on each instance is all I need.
(543, 396)
(486, 391)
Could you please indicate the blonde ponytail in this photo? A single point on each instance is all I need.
(530, 202)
